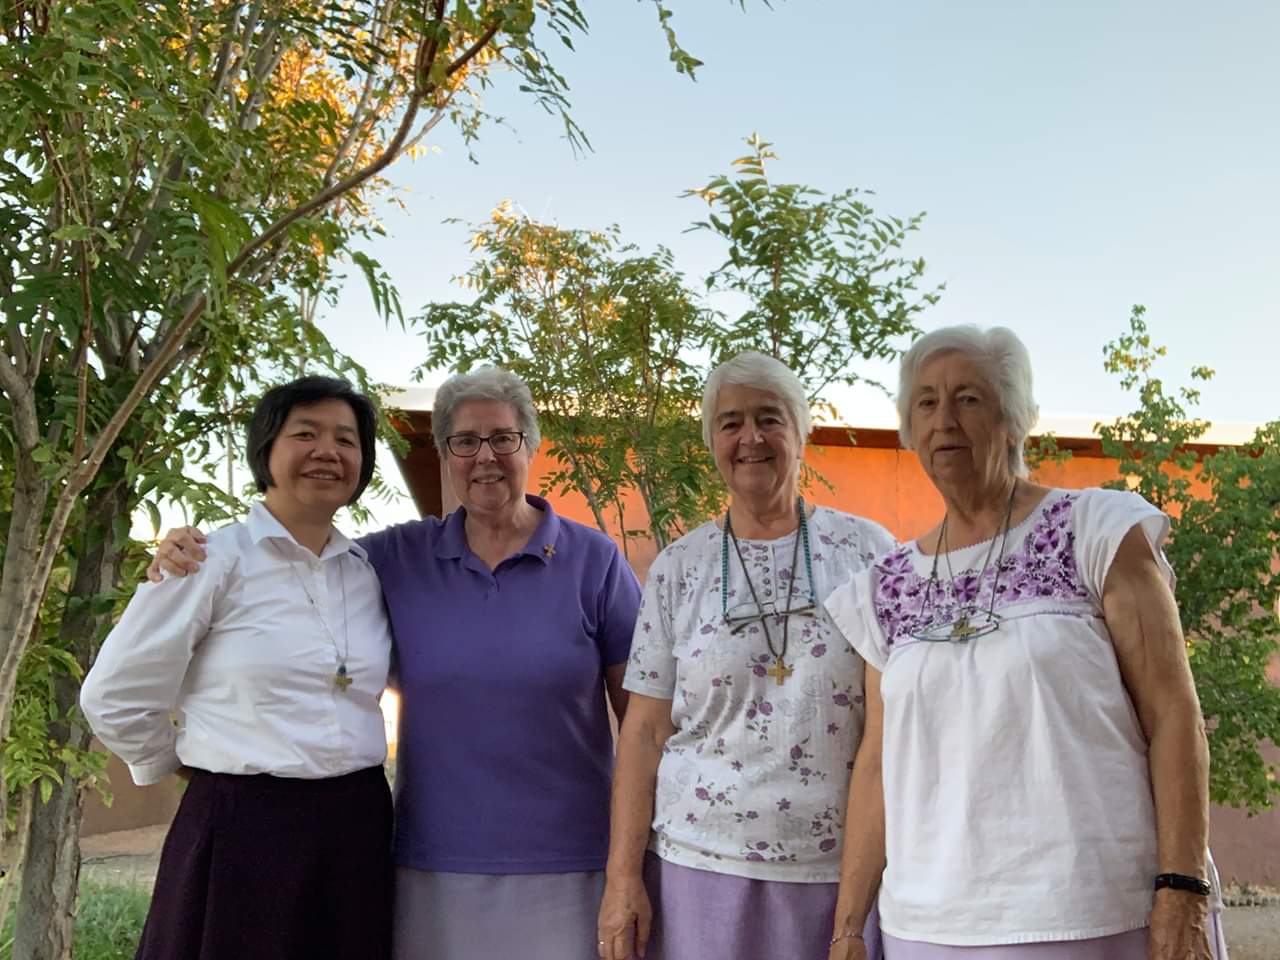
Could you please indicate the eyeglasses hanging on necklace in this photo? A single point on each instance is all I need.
(963, 628)
(741, 617)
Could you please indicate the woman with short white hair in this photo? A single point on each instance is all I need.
(1040, 791)
(746, 706)
(512, 626)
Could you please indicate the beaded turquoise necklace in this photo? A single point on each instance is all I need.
(779, 671)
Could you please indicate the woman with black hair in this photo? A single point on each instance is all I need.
(259, 682)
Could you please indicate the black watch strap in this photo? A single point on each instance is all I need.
(1180, 881)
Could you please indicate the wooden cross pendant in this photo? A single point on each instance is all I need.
(341, 680)
(963, 630)
(779, 671)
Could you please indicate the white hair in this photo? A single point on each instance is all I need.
(762, 372)
(1005, 365)
(486, 383)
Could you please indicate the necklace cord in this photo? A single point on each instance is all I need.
(342, 655)
(802, 532)
(941, 548)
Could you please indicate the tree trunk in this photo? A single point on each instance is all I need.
(51, 871)
(14, 850)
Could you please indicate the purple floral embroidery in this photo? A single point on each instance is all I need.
(1042, 567)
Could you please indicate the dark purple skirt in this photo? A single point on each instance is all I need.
(272, 868)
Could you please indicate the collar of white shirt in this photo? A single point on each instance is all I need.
(261, 524)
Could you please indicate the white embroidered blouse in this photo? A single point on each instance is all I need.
(1017, 790)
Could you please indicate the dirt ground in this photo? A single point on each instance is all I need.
(130, 856)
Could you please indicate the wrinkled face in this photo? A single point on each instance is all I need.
(957, 427)
(488, 483)
(315, 459)
(754, 442)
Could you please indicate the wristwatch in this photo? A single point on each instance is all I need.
(1180, 881)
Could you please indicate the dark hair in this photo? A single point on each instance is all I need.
(278, 402)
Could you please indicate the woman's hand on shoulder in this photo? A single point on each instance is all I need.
(625, 919)
(180, 552)
(1179, 927)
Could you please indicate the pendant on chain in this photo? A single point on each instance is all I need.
(340, 678)
(779, 671)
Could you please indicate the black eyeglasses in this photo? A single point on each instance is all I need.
(502, 443)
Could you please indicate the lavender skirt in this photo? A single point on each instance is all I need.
(700, 915)
(1122, 946)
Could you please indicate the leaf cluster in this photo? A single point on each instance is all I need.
(823, 275)
(1224, 547)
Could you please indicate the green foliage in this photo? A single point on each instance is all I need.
(823, 276)
(1043, 449)
(616, 346)
(1224, 547)
(109, 922)
(602, 335)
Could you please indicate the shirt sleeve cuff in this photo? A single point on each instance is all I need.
(145, 774)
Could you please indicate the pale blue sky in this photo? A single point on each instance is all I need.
(1073, 159)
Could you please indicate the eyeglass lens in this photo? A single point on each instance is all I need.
(468, 445)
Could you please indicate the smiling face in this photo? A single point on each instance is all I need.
(957, 426)
(754, 443)
(315, 461)
(488, 485)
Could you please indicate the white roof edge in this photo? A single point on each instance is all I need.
(884, 416)
(419, 399)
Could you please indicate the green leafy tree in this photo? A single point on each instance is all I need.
(823, 277)
(1224, 547)
(602, 334)
(616, 346)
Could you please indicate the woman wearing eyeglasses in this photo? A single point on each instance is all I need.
(511, 626)
(1042, 793)
(746, 706)
(511, 623)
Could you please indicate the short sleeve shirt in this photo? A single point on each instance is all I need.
(505, 752)
(754, 781)
(1017, 789)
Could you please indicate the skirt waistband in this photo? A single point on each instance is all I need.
(268, 782)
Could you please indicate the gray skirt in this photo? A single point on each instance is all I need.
(476, 916)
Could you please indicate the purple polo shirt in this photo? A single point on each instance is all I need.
(505, 754)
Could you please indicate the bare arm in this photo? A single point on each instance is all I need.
(618, 697)
(1142, 618)
(862, 860)
(625, 912)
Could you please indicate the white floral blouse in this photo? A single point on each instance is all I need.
(754, 781)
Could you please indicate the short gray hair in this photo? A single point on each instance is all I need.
(758, 370)
(486, 383)
(1005, 365)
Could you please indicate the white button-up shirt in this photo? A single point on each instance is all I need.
(232, 669)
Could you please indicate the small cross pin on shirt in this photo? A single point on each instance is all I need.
(548, 550)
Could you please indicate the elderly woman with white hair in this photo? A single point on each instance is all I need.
(511, 625)
(1040, 791)
(746, 707)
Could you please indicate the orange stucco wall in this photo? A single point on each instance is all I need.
(886, 484)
